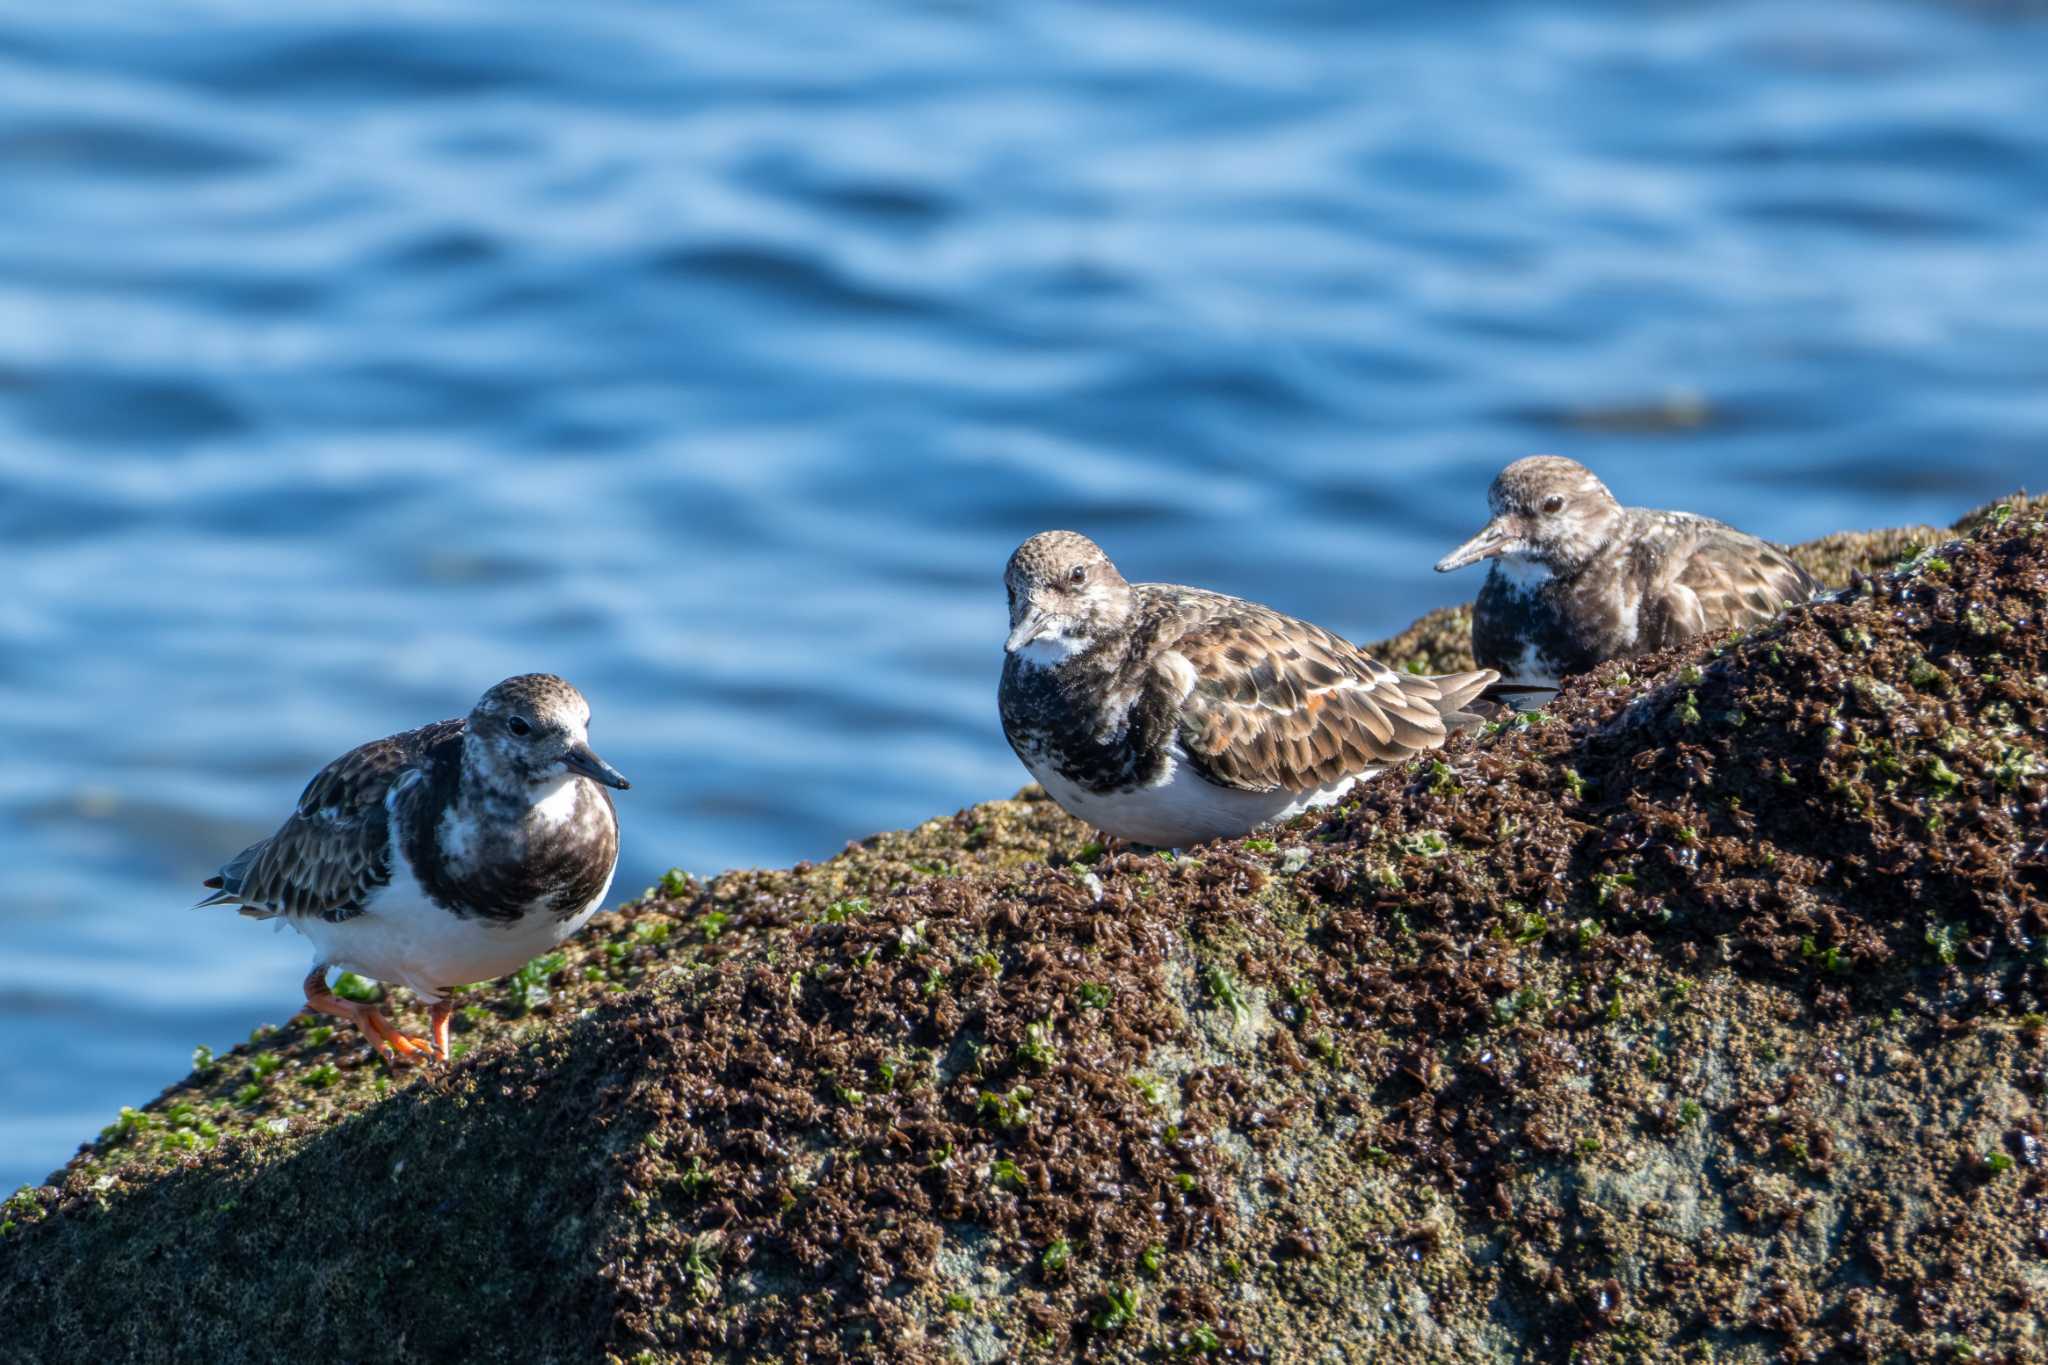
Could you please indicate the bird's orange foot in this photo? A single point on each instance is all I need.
(381, 1034)
(385, 1036)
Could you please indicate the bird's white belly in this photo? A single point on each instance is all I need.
(405, 938)
(1183, 807)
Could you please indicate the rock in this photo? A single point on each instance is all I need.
(1700, 1018)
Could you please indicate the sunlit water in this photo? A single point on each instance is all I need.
(715, 356)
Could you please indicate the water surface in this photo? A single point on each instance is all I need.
(715, 356)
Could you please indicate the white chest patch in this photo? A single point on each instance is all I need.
(558, 805)
(1050, 651)
(458, 835)
(1522, 573)
(1533, 668)
(1627, 611)
(1184, 808)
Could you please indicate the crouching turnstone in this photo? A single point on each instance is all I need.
(1168, 715)
(1578, 579)
(442, 856)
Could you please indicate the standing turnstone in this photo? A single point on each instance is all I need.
(445, 855)
(1577, 578)
(1168, 715)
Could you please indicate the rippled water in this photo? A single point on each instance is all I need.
(354, 356)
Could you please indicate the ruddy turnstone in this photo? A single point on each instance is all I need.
(1578, 579)
(1168, 715)
(446, 855)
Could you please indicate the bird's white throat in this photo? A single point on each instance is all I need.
(1050, 651)
(1524, 573)
(556, 804)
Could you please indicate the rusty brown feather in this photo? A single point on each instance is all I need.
(1280, 704)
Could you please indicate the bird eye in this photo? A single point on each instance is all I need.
(1079, 574)
(1553, 504)
(518, 726)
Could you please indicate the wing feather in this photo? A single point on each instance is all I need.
(1280, 704)
(335, 848)
(1730, 580)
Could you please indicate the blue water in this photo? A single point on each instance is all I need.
(355, 355)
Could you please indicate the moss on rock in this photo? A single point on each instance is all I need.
(1700, 1018)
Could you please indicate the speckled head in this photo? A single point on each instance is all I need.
(1547, 510)
(1065, 596)
(533, 731)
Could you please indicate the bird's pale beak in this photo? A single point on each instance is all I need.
(1493, 540)
(580, 759)
(1036, 622)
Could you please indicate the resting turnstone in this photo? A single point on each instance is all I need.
(1168, 715)
(1578, 579)
(442, 856)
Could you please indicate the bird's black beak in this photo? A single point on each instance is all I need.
(580, 759)
(1037, 622)
(1496, 538)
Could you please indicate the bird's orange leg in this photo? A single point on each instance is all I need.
(390, 1044)
(437, 1019)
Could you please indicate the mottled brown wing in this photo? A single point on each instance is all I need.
(1273, 704)
(1730, 580)
(336, 848)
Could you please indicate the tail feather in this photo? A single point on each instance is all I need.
(234, 898)
(226, 884)
(1459, 688)
(1456, 691)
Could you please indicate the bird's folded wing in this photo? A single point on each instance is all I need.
(1731, 580)
(1272, 703)
(335, 849)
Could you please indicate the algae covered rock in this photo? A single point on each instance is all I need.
(1698, 1018)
